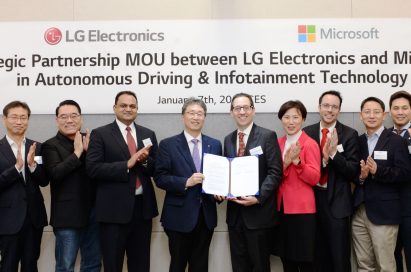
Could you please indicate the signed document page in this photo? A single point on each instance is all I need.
(230, 176)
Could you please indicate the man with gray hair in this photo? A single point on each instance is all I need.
(189, 216)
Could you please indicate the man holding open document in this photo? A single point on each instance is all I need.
(249, 217)
(189, 216)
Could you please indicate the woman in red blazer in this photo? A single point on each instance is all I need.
(295, 235)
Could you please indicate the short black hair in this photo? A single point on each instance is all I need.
(127, 93)
(400, 94)
(16, 104)
(297, 104)
(331, 92)
(68, 103)
(242, 95)
(373, 99)
(192, 100)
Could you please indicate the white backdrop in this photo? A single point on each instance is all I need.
(43, 63)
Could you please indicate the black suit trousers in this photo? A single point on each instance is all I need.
(191, 247)
(133, 238)
(23, 247)
(249, 248)
(333, 250)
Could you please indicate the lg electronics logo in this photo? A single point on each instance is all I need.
(53, 36)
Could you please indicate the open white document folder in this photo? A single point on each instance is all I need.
(230, 177)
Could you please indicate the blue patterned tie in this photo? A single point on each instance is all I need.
(196, 155)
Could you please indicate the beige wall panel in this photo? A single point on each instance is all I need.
(46, 261)
(228, 9)
(131, 9)
(36, 10)
(381, 8)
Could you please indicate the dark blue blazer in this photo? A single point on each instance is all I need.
(405, 194)
(19, 198)
(380, 193)
(106, 164)
(174, 166)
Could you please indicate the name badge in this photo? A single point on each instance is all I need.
(340, 148)
(147, 142)
(38, 159)
(380, 155)
(256, 151)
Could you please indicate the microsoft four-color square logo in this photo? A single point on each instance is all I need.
(306, 33)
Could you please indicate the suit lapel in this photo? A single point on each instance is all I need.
(339, 129)
(232, 147)
(115, 131)
(406, 134)
(5, 149)
(382, 140)
(140, 136)
(252, 139)
(26, 167)
(182, 147)
(317, 133)
(363, 146)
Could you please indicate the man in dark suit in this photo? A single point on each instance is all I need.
(189, 216)
(400, 110)
(22, 211)
(250, 218)
(72, 192)
(120, 158)
(333, 192)
(384, 165)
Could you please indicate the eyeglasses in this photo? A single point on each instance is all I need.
(329, 106)
(192, 114)
(374, 112)
(244, 108)
(15, 118)
(65, 117)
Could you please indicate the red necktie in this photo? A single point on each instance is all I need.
(324, 173)
(132, 148)
(241, 148)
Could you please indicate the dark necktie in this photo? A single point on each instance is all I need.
(132, 148)
(241, 144)
(324, 172)
(399, 131)
(196, 155)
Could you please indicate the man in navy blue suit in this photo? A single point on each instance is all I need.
(384, 165)
(188, 216)
(400, 110)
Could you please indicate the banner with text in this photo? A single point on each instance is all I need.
(165, 62)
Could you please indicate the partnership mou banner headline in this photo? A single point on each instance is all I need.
(165, 62)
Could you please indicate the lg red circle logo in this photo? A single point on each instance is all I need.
(53, 36)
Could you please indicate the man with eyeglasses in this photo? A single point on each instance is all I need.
(384, 164)
(72, 192)
(120, 158)
(340, 157)
(251, 218)
(22, 211)
(189, 216)
(400, 111)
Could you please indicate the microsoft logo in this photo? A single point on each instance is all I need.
(306, 33)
